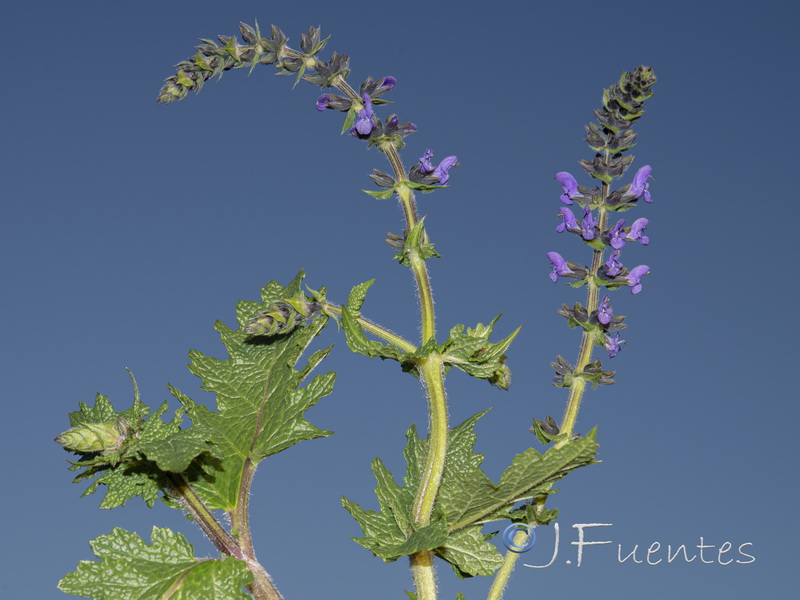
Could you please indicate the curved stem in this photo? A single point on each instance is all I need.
(432, 376)
(262, 587)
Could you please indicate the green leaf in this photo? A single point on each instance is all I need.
(391, 533)
(260, 402)
(416, 245)
(472, 353)
(129, 569)
(349, 120)
(134, 462)
(357, 296)
(380, 194)
(531, 474)
(470, 554)
(356, 339)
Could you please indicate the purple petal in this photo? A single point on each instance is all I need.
(639, 185)
(425, 165)
(559, 266)
(635, 277)
(569, 221)
(612, 344)
(635, 234)
(605, 311)
(616, 235)
(588, 225)
(387, 82)
(613, 264)
(323, 102)
(569, 184)
(442, 170)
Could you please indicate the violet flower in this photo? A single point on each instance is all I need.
(560, 267)
(386, 84)
(613, 264)
(364, 124)
(637, 227)
(323, 102)
(441, 171)
(570, 186)
(617, 236)
(612, 344)
(604, 311)
(639, 186)
(569, 222)
(588, 225)
(635, 277)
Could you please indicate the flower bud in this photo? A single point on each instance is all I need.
(105, 438)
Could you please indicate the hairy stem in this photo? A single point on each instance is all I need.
(587, 339)
(204, 518)
(424, 575)
(262, 587)
(504, 573)
(432, 376)
(375, 329)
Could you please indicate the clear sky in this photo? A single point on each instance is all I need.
(128, 227)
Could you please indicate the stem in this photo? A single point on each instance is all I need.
(262, 587)
(424, 575)
(431, 373)
(204, 518)
(504, 573)
(587, 339)
(375, 329)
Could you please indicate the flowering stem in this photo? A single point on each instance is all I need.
(587, 339)
(432, 376)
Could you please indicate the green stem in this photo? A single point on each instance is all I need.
(204, 518)
(504, 573)
(424, 575)
(262, 587)
(375, 329)
(578, 385)
(432, 376)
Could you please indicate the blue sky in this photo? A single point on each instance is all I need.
(129, 227)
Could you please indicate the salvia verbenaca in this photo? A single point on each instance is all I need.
(439, 511)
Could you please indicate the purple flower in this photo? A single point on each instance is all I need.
(560, 267)
(617, 236)
(425, 165)
(588, 225)
(639, 185)
(613, 264)
(323, 102)
(570, 186)
(635, 278)
(386, 84)
(569, 224)
(441, 171)
(604, 311)
(635, 234)
(364, 124)
(612, 344)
